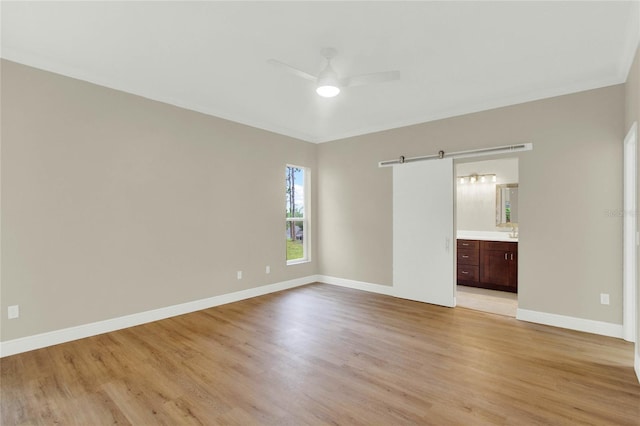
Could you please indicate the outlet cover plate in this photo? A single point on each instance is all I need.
(13, 311)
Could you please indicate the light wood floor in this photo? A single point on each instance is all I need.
(320, 354)
(482, 299)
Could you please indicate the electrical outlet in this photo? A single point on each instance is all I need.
(267, 270)
(239, 275)
(13, 311)
(604, 299)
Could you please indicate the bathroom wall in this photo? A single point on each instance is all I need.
(476, 202)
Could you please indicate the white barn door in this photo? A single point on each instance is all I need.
(423, 231)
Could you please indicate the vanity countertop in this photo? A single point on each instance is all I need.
(486, 236)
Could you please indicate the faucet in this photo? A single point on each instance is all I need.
(514, 232)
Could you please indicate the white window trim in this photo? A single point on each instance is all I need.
(306, 219)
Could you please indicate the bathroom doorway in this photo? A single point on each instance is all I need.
(487, 234)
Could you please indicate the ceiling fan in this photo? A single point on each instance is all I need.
(328, 84)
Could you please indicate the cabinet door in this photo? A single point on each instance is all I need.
(495, 268)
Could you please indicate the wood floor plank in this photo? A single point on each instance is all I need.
(321, 354)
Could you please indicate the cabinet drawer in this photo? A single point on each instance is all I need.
(468, 273)
(499, 245)
(468, 256)
(468, 244)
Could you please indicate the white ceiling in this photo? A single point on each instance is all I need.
(454, 57)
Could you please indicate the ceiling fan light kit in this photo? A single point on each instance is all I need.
(328, 84)
(328, 91)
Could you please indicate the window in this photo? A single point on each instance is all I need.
(297, 215)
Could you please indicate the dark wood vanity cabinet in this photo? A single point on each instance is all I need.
(499, 265)
(488, 264)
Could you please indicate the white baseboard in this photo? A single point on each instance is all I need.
(357, 285)
(24, 344)
(562, 321)
(572, 323)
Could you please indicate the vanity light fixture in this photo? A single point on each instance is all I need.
(475, 178)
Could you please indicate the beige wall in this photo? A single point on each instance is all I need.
(632, 114)
(632, 93)
(570, 242)
(113, 204)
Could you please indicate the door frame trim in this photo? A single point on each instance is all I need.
(630, 235)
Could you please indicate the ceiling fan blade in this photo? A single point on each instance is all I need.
(376, 77)
(292, 70)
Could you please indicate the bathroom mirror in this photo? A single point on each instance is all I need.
(507, 204)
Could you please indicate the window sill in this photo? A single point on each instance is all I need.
(297, 262)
